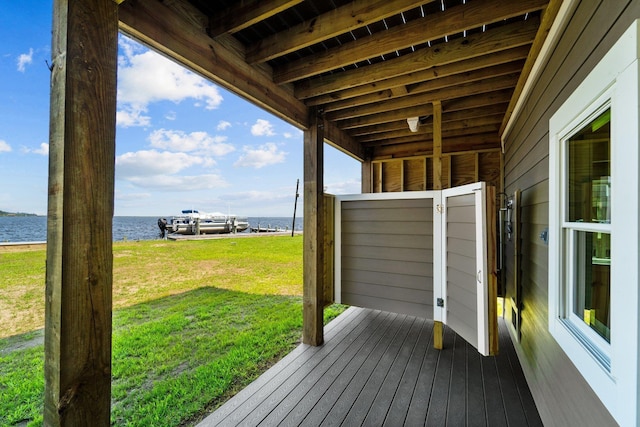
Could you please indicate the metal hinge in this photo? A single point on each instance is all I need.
(440, 208)
(440, 302)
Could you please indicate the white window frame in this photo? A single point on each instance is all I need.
(613, 378)
(599, 347)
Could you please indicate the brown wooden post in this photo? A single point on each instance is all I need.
(367, 177)
(438, 328)
(80, 210)
(492, 267)
(313, 236)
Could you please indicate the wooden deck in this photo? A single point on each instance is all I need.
(379, 368)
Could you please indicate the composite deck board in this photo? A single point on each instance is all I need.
(339, 411)
(319, 379)
(317, 409)
(457, 410)
(378, 368)
(439, 398)
(519, 382)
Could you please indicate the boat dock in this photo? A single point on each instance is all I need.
(184, 237)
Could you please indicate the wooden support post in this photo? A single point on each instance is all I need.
(437, 145)
(79, 277)
(492, 267)
(367, 177)
(438, 327)
(313, 236)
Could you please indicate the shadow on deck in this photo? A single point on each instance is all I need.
(378, 368)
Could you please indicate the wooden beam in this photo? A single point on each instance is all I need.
(370, 136)
(454, 145)
(313, 270)
(245, 14)
(455, 80)
(343, 141)
(317, 95)
(78, 303)
(493, 41)
(460, 91)
(427, 128)
(184, 39)
(349, 17)
(379, 128)
(548, 16)
(476, 101)
(386, 117)
(453, 20)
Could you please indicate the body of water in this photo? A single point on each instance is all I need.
(34, 228)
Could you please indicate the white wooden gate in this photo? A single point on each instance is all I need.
(419, 253)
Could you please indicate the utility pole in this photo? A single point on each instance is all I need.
(295, 205)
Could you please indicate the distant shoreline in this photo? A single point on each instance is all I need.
(3, 213)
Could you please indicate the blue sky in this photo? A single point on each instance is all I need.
(181, 142)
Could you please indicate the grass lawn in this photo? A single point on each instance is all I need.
(194, 323)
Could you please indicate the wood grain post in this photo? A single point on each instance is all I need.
(313, 236)
(367, 176)
(492, 267)
(438, 327)
(79, 277)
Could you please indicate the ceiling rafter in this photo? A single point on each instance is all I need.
(400, 129)
(435, 72)
(432, 27)
(245, 14)
(492, 41)
(338, 21)
(462, 90)
(428, 86)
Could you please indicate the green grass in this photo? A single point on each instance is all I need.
(197, 322)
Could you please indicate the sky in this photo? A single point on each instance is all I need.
(181, 141)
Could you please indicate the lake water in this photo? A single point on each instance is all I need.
(34, 228)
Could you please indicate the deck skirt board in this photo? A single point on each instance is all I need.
(380, 368)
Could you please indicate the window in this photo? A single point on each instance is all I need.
(594, 224)
(586, 231)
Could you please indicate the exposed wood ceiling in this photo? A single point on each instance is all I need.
(366, 65)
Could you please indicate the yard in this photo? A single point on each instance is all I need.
(193, 323)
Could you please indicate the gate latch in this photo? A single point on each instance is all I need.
(440, 302)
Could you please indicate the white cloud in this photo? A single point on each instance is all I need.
(180, 184)
(152, 162)
(4, 146)
(260, 157)
(258, 196)
(223, 125)
(129, 117)
(196, 142)
(157, 170)
(145, 77)
(43, 150)
(352, 186)
(25, 59)
(294, 133)
(262, 128)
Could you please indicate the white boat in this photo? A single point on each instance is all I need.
(194, 222)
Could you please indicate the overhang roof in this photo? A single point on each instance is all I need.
(366, 65)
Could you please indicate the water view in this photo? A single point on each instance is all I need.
(34, 228)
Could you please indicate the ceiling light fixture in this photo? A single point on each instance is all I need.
(413, 122)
